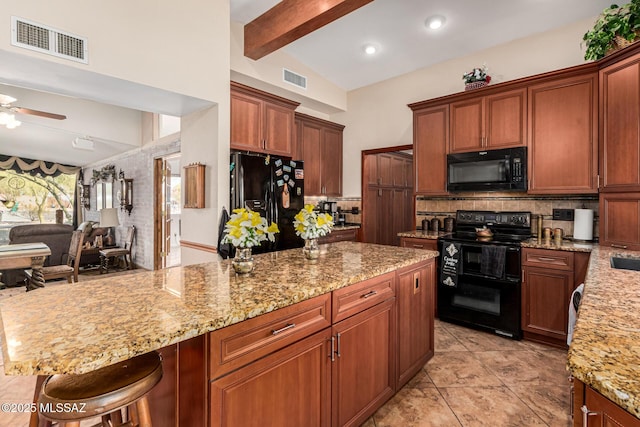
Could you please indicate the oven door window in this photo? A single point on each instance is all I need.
(477, 298)
(485, 171)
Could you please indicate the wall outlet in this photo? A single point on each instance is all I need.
(563, 214)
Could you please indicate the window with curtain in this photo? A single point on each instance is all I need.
(34, 191)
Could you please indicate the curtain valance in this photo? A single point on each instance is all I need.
(34, 167)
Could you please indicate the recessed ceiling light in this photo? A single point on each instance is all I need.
(435, 22)
(370, 49)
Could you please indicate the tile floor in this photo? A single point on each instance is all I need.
(474, 379)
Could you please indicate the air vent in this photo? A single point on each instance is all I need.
(40, 38)
(294, 79)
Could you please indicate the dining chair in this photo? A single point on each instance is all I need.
(124, 252)
(69, 270)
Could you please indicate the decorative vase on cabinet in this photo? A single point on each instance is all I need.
(243, 261)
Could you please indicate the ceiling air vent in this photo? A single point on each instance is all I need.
(40, 38)
(294, 79)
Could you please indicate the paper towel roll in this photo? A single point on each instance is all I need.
(583, 224)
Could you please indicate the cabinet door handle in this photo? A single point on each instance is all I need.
(333, 348)
(379, 192)
(586, 413)
(544, 258)
(369, 294)
(277, 331)
(613, 245)
(338, 346)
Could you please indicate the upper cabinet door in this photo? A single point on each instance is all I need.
(430, 141)
(489, 122)
(278, 129)
(331, 155)
(246, 122)
(467, 125)
(563, 135)
(310, 136)
(620, 114)
(506, 119)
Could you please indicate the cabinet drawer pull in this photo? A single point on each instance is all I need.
(544, 258)
(277, 331)
(369, 294)
(418, 246)
(613, 245)
(333, 349)
(338, 346)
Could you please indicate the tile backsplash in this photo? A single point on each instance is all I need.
(346, 204)
(537, 205)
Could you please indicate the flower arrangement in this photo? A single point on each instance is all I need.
(247, 228)
(310, 224)
(477, 75)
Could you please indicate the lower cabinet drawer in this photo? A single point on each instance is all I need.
(417, 243)
(361, 296)
(240, 344)
(557, 260)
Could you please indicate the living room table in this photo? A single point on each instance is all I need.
(25, 255)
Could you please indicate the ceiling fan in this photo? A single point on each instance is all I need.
(6, 101)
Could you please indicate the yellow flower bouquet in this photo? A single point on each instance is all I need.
(247, 228)
(310, 224)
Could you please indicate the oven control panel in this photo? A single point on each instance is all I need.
(480, 218)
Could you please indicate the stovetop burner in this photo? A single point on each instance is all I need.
(507, 227)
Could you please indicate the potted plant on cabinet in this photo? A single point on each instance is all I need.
(615, 28)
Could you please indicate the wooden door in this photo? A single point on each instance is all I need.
(545, 301)
(415, 302)
(620, 113)
(385, 169)
(620, 220)
(506, 119)
(166, 182)
(563, 135)
(386, 215)
(246, 122)
(363, 374)
(467, 125)
(278, 129)
(289, 388)
(430, 141)
(311, 155)
(605, 413)
(331, 155)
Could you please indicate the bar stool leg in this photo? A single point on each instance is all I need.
(144, 413)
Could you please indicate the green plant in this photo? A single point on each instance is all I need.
(622, 21)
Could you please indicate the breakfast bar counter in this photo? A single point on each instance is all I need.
(81, 327)
(605, 351)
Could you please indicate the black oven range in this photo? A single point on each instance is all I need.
(479, 279)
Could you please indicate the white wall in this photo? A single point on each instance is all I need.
(377, 115)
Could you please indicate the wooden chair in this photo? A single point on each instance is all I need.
(125, 252)
(68, 270)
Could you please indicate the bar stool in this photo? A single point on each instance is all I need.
(69, 399)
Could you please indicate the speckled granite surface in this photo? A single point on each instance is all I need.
(418, 234)
(80, 327)
(605, 351)
(563, 245)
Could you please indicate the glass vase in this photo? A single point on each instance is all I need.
(311, 250)
(243, 261)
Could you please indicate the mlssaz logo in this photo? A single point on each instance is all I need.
(451, 249)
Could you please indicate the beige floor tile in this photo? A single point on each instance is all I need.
(445, 341)
(369, 423)
(489, 406)
(551, 403)
(474, 340)
(459, 369)
(420, 380)
(416, 408)
(518, 367)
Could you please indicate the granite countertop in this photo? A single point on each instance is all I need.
(77, 328)
(418, 234)
(605, 350)
(563, 245)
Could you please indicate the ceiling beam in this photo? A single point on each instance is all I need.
(290, 20)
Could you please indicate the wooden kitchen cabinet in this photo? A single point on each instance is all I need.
(291, 387)
(337, 235)
(430, 143)
(620, 220)
(563, 135)
(417, 243)
(415, 305)
(620, 134)
(261, 122)
(363, 374)
(600, 411)
(488, 122)
(319, 145)
(549, 278)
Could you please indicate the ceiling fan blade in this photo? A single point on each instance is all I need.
(38, 113)
(6, 99)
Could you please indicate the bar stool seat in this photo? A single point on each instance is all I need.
(69, 399)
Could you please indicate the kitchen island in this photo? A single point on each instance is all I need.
(81, 327)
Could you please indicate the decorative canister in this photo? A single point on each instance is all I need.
(449, 223)
(435, 224)
(425, 225)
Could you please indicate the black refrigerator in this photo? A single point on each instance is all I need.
(272, 186)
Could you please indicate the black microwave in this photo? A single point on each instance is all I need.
(490, 170)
